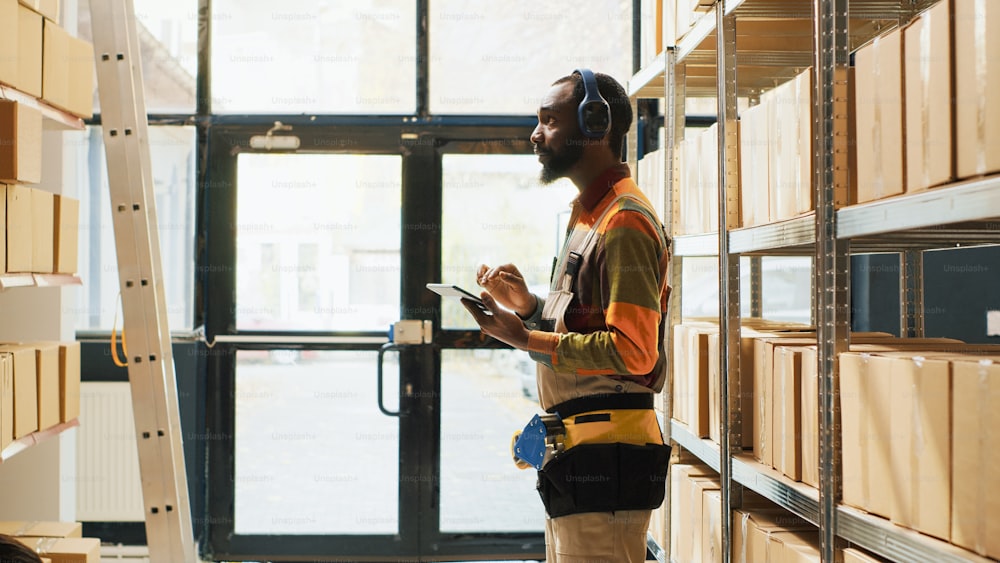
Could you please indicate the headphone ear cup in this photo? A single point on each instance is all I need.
(593, 113)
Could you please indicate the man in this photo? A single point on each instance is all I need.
(598, 336)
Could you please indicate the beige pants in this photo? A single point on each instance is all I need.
(597, 537)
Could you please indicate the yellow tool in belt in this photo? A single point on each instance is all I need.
(548, 436)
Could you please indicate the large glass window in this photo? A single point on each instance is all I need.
(308, 56)
(168, 42)
(172, 152)
(496, 212)
(500, 57)
(317, 240)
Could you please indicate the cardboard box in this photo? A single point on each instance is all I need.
(746, 387)
(854, 555)
(790, 186)
(809, 407)
(42, 529)
(708, 188)
(977, 77)
(711, 526)
(800, 547)
(752, 528)
(691, 207)
(67, 232)
(8, 42)
(765, 431)
(25, 389)
(66, 550)
(69, 381)
(3, 228)
(689, 490)
(47, 370)
(47, 8)
(920, 401)
(29, 51)
(697, 373)
(18, 229)
(755, 164)
(80, 80)
(788, 411)
(55, 65)
(975, 503)
(6, 400)
(879, 117)
(21, 148)
(867, 432)
(928, 106)
(42, 231)
(680, 473)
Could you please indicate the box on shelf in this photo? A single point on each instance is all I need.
(753, 529)
(755, 165)
(18, 229)
(975, 501)
(3, 228)
(47, 370)
(68, 71)
(765, 431)
(21, 151)
(711, 526)
(708, 188)
(42, 529)
(920, 445)
(6, 400)
(66, 550)
(746, 387)
(8, 41)
(47, 8)
(691, 402)
(790, 148)
(854, 555)
(977, 79)
(67, 232)
(688, 485)
(788, 411)
(927, 76)
(42, 231)
(29, 52)
(69, 381)
(878, 88)
(25, 389)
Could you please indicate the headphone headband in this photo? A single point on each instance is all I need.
(593, 113)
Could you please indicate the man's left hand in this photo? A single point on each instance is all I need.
(503, 325)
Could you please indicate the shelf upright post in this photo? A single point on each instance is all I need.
(831, 263)
(674, 93)
(729, 274)
(911, 294)
(756, 285)
(167, 511)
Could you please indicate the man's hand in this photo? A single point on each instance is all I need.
(506, 284)
(502, 324)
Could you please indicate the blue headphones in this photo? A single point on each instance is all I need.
(594, 113)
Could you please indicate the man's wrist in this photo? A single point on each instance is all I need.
(524, 316)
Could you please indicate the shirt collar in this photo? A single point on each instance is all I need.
(593, 193)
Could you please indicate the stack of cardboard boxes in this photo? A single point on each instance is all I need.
(923, 111)
(57, 542)
(39, 388)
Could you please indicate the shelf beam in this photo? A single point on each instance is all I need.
(969, 200)
(52, 115)
(21, 444)
(649, 81)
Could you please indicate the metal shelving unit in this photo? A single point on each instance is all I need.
(52, 115)
(962, 214)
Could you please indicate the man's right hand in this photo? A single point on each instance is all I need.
(506, 284)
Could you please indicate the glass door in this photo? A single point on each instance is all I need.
(308, 258)
(302, 279)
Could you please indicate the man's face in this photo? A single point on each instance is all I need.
(557, 138)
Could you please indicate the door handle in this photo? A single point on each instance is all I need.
(388, 346)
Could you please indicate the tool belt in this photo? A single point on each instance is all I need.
(597, 459)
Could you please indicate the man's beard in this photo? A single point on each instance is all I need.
(560, 161)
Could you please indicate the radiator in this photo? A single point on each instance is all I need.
(108, 487)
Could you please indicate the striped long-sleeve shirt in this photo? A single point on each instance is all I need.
(620, 291)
